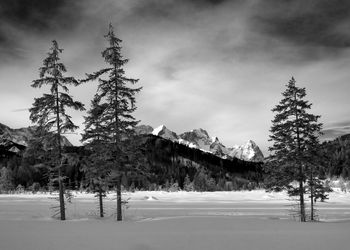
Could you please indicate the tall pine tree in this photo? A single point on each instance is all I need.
(49, 112)
(117, 100)
(294, 133)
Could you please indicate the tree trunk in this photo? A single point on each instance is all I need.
(119, 199)
(100, 196)
(312, 193)
(60, 184)
(302, 202)
(61, 194)
(301, 172)
(117, 140)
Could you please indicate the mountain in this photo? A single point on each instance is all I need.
(249, 152)
(165, 133)
(197, 137)
(200, 139)
(21, 136)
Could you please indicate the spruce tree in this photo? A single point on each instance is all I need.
(118, 102)
(96, 165)
(294, 133)
(49, 112)
(315, 183)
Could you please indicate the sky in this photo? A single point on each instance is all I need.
(212, 64)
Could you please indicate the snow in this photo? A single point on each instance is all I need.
(337, 196)
(157, 130)
(187, 143)
(173, 220)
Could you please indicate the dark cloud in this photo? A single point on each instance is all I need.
(39, 15)
(311, 23)
(20, 20)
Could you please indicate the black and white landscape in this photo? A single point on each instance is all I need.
(254, 150)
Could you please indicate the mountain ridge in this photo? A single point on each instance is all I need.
(21, 136)
(200, 139)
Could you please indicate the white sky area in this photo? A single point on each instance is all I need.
(217, 66)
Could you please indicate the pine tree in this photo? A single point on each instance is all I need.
(315, 182)
(49, 111)
(118, 102)
(97, 169)
(294, 133)
(96, 166)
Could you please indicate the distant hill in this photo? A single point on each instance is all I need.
(337, 156)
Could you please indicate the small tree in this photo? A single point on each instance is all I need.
(315, 183)
(96, 166)
(188, 185)
(49, 111)
(294, 132)
(118, 102)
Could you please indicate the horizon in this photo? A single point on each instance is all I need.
(217, 65)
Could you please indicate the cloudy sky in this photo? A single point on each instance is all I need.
(213, 64)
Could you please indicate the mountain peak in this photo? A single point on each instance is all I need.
(164, 132)
(158, 129)
(250, 142)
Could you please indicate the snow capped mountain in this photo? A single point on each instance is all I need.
(200, 139)
(249, 152)
(165, 133)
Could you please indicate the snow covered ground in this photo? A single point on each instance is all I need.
(180, 220)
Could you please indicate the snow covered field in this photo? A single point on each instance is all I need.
(179, 220)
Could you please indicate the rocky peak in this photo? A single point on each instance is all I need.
(198, 137)
(248, 151)
(164, 132)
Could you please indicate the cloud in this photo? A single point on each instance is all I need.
(305, 22)
(24, 19)
(336, 129)
(219, 65)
